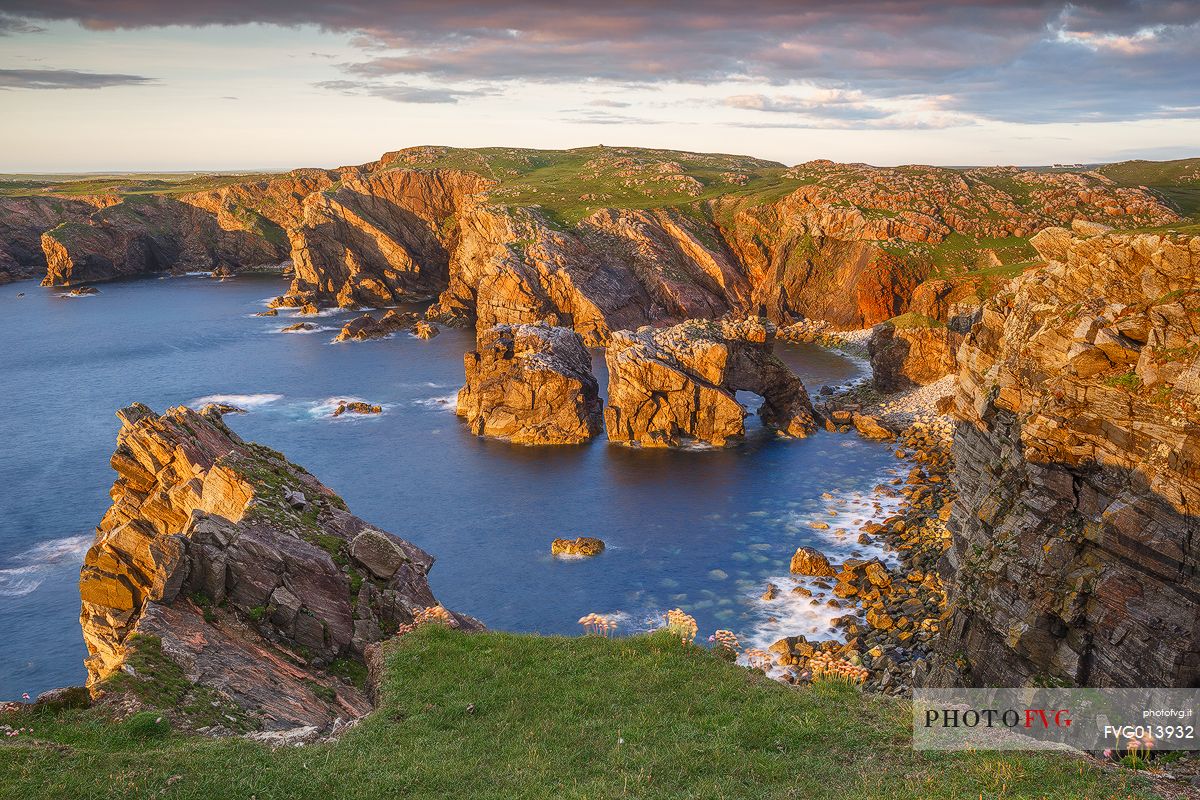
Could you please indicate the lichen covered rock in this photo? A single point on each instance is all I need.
(1077, 465)
(670, 384)
(238, 573)
(580, 546)
(530, 384)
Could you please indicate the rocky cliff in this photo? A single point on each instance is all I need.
(376, 239)
(1077, 466)
(616, 269)
(150, 235)
(224, 576)
(672, 384)
(22, 221)
(601, 239)
(530, 384)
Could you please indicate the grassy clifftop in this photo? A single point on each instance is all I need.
(506, 716)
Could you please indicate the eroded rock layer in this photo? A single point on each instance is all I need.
(377, 239)
(530, 384)
(670, 384)
(1078, 471)
(626, 237)
(224, 565)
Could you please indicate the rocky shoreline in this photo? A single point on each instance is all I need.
(894, 613)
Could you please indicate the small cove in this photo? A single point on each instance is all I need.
(698, 528)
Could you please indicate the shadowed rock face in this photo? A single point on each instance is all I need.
(378, 239)
(617, 269)
(146, 236)
(531, 384)
(241, 570)
(1078, 471)
(670, 384)
(904, 357)
(22, 222)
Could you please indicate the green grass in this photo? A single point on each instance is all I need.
(914, 320)
(127, 184)
(507, 716)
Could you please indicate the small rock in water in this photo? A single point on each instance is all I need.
(424, 330)
(579, 546)
(771, 593)
(80, 291)
(299, 326)
(270, 312)
(357, 407)
(222, 409)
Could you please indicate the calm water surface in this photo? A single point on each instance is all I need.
(702, 529)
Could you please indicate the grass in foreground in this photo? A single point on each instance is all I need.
(505, 716)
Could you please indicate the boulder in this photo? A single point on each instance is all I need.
(378, 552)
(424, 330)
(810, 561)
(671, 384)
(579, 546)
(530, 384)
(869, 427)
(365, 326)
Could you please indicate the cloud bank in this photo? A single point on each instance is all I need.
(937, 64)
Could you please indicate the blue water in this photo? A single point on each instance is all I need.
(700, 529)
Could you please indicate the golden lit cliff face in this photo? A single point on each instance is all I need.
(1078, 469)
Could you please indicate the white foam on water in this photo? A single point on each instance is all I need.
(323, 409)
(35, 564)
(315, 329)
(246, 401)
(790, 614)
(447, 402)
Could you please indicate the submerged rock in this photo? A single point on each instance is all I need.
(212, 586)
(530, 384)
(670, 384)
(579, 546)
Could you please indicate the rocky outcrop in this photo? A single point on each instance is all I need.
(365, 326)
(147, 235)
(616, 269)
(377, 239)
(579, 547)
(223, 576)
(667, 385)
(22, 221)
(530, 384)
(913, 351)
(1077, 466)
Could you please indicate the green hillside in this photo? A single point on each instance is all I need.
(505, 716)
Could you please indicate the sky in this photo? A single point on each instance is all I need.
(99, 85)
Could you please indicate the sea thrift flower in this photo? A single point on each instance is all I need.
(726, 643)
(598, 624)
(682, 625)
